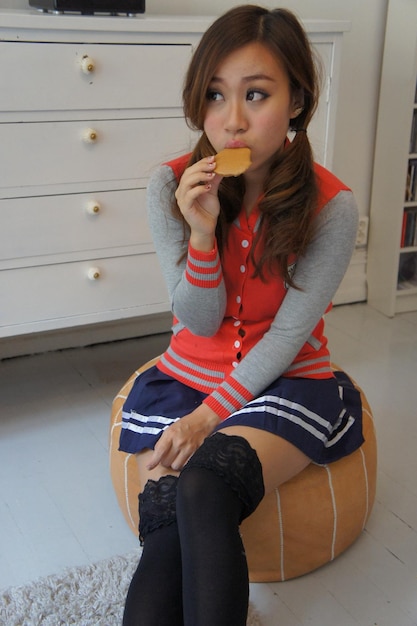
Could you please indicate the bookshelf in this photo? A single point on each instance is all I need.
(407, 267)
(392, 249)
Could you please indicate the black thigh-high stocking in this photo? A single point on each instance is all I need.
(220, 486)
(155, 593)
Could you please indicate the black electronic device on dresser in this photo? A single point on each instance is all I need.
(89, 7)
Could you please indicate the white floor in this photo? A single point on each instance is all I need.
(57, 507)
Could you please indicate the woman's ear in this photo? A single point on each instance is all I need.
(296, 112)
(298, 104)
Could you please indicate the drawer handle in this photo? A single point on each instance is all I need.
(93, 208)
(93, 273)
(87, 65)
(90, 135)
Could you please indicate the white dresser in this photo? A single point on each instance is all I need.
(88, 106)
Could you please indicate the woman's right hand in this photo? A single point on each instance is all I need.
(179, 442)
(197, 198)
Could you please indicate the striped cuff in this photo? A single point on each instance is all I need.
(229, 397)
(203, 269)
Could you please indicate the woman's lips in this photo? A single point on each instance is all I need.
(235, 144)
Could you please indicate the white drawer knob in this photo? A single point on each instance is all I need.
(93, 208)
(90, 135)
(93, 273)
(87, 64)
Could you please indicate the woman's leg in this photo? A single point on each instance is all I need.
(205, 561)
(155, 593)
(221, 485)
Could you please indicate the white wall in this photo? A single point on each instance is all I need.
(359, 80)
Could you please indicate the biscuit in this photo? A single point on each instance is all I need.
(232, 161)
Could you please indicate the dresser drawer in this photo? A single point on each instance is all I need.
(67, 294)
(62, 76)
(51, 225)
(96, 152)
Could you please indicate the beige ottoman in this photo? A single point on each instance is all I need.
(302, 525)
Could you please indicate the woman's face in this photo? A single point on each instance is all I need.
(249, 103)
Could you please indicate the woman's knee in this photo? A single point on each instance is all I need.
(229, 459)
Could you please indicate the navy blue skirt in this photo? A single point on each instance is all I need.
(323, 418)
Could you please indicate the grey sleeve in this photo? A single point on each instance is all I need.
(200, 309)
(319, 274)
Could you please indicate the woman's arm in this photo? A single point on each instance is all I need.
(318, 273)
(195, 286)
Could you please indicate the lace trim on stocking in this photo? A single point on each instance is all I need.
(157, 505)
(236, 462)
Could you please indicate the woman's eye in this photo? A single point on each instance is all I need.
(255, 95)
(214, 96)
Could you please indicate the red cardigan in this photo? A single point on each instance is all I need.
(207, 363)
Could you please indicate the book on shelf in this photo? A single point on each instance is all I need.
(413, 137)
(411, 181)
(409, 228)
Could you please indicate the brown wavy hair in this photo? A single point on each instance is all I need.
(290, 190)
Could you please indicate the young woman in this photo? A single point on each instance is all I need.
(244, 398)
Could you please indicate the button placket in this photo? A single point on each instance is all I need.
(245, 243)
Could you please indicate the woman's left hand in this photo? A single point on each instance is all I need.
(179, 442)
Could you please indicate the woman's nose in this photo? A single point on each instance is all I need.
(236, 119)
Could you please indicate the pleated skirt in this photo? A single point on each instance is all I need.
(321, 417)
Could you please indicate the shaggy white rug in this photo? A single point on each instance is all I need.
(92, 595)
